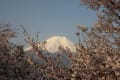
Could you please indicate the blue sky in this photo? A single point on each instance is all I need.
(49, 17)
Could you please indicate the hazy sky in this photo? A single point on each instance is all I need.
(49, 17)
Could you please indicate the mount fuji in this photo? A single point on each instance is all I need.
(53, 44)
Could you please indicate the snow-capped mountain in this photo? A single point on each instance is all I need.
(53, 44)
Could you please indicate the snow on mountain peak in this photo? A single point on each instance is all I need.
(53, 44)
